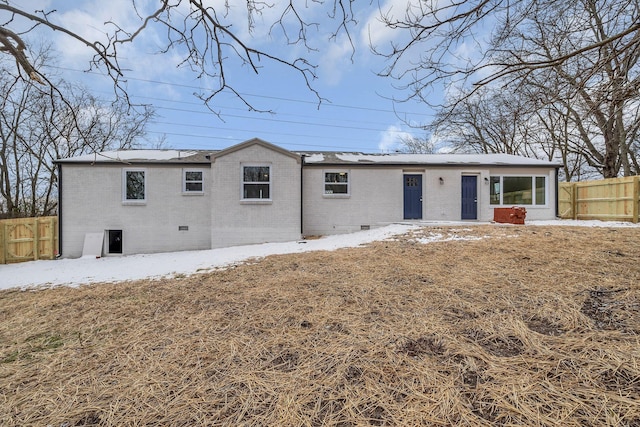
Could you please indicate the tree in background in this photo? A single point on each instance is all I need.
(417, 144)
(495, 121)
(37, 127)
(568, 69)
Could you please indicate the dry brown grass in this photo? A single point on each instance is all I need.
(529, 326)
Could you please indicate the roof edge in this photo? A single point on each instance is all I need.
(449, 165)
(255, 141)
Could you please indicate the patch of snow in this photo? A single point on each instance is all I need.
(126, 155)
(439, 237)
(584, 223)
(75, 272)
(441, 159)
(314, 158)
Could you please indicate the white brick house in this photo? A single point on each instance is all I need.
(147, 201)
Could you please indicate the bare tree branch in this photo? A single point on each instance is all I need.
(203, 36)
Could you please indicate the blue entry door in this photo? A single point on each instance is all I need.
(413, 197)
(469, 197)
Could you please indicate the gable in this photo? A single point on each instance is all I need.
(251, 143)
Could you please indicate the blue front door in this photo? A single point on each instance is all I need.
(469, 197)
(413, 197)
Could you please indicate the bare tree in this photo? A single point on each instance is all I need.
(36, 128)
(515, 123)
(573, 63)
(598, 90)
(487, 122)
(434, 32)
(417, 144)
(201, 33)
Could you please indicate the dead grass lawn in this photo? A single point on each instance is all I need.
(526, 326)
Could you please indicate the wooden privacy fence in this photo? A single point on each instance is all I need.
(615, 199)
(28, 239)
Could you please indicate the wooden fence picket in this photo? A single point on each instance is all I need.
(28, 239)
(615, 199)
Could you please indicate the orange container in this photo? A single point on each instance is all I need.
(513, 215)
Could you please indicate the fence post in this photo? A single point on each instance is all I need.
(52, 243)
(2, 244)
(636, 198)
(574, 199)
(36, 239)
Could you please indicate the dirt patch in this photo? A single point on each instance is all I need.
(421, 346)
(500, 325)
(544, 326)
(497, 345)
(605, 309)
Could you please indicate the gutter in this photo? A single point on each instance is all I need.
(557, 195)
(302, 163)
(59, 211)
(427, 165)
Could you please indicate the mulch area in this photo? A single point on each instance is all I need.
(498, 325)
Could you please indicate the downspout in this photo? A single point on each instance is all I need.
(59, 211)
(302, 156)
(557, 196)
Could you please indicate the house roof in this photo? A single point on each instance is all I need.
(319, 158)
(256, 141)
(326, 158)
(143, 156)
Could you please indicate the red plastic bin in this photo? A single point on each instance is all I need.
(513, 215)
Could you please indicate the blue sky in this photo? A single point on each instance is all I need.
(357, 116)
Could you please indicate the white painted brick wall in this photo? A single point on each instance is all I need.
(377, 197)
(92, 202)
(237, 222)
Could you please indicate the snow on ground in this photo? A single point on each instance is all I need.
(75, 272)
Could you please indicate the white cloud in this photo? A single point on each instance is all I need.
(336, 62)
(374, 31)
(90, 20)
(390, 139)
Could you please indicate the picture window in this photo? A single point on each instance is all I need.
(518, 190)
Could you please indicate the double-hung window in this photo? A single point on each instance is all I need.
(256, 182)
(518, 190)
(134, 186)
(336, 183)
(192, 181)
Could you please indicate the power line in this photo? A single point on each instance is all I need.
(361, 126)
(261, 118)
(235, 139)
(279, 120)
(328, 104)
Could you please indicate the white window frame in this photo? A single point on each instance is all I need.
(184, 182)
(127, 201)
(533, 190)
(243, 182)
(347, 184)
